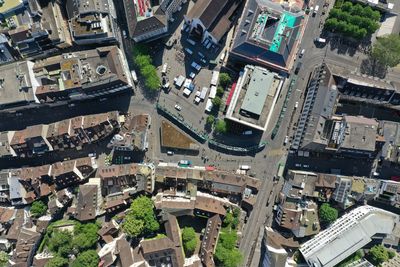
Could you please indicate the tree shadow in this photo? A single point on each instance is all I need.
(372, 67)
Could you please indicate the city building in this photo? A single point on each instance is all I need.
(71, 133)
(347, 234)
(161, 251)
(147, 22)
(209, 242)
(73, 76)
(390, 153)
(7, 52)
(24, 185)
(268, 34)
(297, 209)
(211, 19)
(126, 178)
(11, 8)
(319, 130)
(37, 28)
(277, 249)
(25, 248)
(79, 75)
(133, 135)
(222, 183)
(252, 99)
(16, 85)
(88, 204)
(92, 21)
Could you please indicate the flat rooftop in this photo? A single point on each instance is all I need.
(253, 97)
(9, 4)
(15, 84)
(360, 134)
(258, 90)
(80, 70)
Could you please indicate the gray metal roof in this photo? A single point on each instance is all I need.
(257, 91)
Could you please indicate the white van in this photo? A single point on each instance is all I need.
(134, 76)
(164, 68)
(245, 167)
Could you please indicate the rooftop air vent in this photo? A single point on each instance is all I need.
(100, 70)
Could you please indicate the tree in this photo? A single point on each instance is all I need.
(221, 126)
(224, 79)
(227, 258)
(146, 68)
(377, 255)
(220, 91)
(57, 261)
(141, 219)
(189, 240)
(228, 219)
(210, 120)
(60, 241)
(85, 236)
(3, 259)
(133, 227)
(327, 214)
(216, 101)
(38, 208)
(386, 50)
(87, 258)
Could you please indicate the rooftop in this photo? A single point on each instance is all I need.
(361, 133)
(80, 70)
(8, 5)
(15, 84)
(348, 234)
(267, 33)
(254, 96)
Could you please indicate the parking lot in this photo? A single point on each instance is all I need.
(181, 57)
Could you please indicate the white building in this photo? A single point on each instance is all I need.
(346, 235)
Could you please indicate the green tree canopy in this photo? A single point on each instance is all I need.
(227, 258)
(3, 259)
(210, 120)
(38, 208)
(141, 219)
(132, 226)
(327, 214)
(87, 258)
(220, 91)
(60, 242)
(224, 79)
(85, 236)
(216, 101)
(57, 261)
(144, 63)
(386, 50)
(228, 219)
(221, 126)
(377, 255)
(189, 240)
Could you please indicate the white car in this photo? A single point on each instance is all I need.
(177, 107)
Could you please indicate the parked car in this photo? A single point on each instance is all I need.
(170, 153)
(177, 107)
